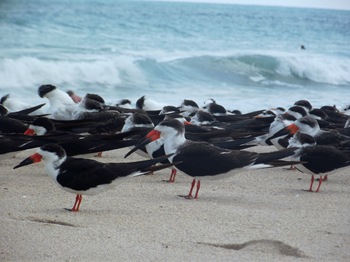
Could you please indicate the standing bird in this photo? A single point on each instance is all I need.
(144, 124)
(202, 160)
(317, 159)
(85, 176)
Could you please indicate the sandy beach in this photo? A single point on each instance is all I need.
(259, 215)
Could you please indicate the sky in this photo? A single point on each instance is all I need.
(328, 4)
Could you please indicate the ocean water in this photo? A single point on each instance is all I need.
(244, 57)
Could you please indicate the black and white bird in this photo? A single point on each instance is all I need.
(124, 103)
(310, 126)
(87, 177)
(77, 144)
(143, 124)
(213, 108)
(317, 159)
(304, 104)
(61, 106)
(11, 125)
(280, 121)
(148, 104)
(202, 160)
(188, 107)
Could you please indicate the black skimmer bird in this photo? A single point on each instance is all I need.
(166, 110)
(91, 110)
(304, 104)
(85, 107)
(124, 103)
(78, 144)
(224, 135)
(334, 115)
(208, 121)
(12, 125)
(213, 108)
(148, 104)
(321, 118)
(336, 119)
(158, 117)
(296, 111)
(92, 107)
(41, 126)
(310, 126)
(279, 122)
(188, 107)
(85, 176)
(316, 159)
(143, 124)
(61, 105)
(203, 118)
(203, 160)
(221, 112)
(155, 149)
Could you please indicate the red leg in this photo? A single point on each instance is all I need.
(172, 176)
(99, 154)
(319, 184)
(312, 182)
(198, 187)
(325, 178)
(189, 196)
(81, 199)
(77, 203)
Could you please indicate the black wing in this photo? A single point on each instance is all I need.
(323, 159)
(203, 159)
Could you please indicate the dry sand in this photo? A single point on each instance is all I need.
(260, 215)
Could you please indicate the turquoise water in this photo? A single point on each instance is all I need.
(245, 57)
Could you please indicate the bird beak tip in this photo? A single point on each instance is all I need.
(29, 160)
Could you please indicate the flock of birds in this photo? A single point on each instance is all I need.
(205, 142)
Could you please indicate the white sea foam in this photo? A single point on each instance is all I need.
(317, 68)
(184, 51)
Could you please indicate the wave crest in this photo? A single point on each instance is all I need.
(28, 71)
(249, 70)
(265, 69)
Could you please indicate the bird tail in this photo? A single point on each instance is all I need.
(267, 158)
(274, 159)
(149, 166)
(276, 163)
(159, 167)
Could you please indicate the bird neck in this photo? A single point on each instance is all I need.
(171, 145)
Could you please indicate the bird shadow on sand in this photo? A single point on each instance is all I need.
(265, 246)
(50, 221)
